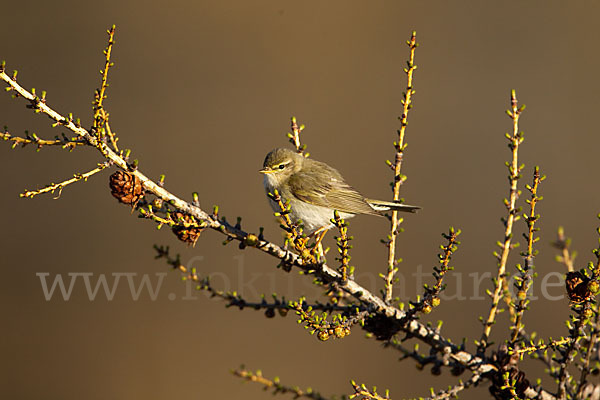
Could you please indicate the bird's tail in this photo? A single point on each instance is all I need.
(380, 205)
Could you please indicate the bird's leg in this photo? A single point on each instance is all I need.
(320, 234)
(318, 248)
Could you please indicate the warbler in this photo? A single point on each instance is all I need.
(314, 190)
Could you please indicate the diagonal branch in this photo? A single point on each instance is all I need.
(327, 274)
(431, 298)
(59, 186)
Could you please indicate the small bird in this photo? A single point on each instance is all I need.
(314, 190)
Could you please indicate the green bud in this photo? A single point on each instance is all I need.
(594, 287)
(251, 240)
(339, 332)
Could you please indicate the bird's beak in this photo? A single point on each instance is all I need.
(265, 171)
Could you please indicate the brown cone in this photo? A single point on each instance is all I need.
(126, 187)
(577, 287)
(507, 362)
(186, 231)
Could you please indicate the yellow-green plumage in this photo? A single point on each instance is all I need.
(315, 190)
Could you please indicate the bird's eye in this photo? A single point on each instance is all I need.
(281, 166)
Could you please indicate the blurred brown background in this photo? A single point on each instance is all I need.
(200, 92)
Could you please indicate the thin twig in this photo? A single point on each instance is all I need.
(576, 333)
(563, 243)
(399, 179)
(533, 348)
(343, 245)
(293, 230)
(294, 136)
(34, 139)
(580, 318)
(366, 394)
(112, 136)
(452, 392)
(422, 360)
(59, 186)
(514, 169)
(591, 349)
(524, 281)
(431, 297)
(338, 327)
(234, 299)
(540, 354)
(100, 124)
(276, 385)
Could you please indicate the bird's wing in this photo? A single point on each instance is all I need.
(309, 186)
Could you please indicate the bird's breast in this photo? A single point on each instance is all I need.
(312, 216)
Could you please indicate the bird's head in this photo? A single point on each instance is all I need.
(280, 164)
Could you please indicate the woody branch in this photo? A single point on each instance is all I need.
(372, 302)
